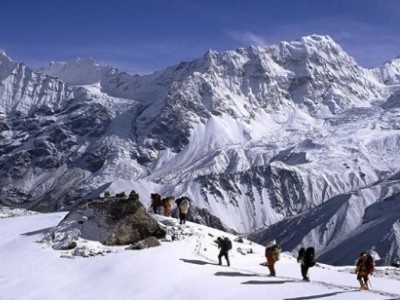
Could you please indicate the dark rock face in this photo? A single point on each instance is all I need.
(204, 217)
(113, 221)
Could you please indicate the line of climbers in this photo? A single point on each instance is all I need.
(306, 256)
(167, 204)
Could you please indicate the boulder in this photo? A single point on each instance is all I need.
(112, 221)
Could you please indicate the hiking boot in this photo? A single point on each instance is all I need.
(306, 279)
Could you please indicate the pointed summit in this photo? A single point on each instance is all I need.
(210, 57)
(4, 57)
(6, 64)
(321, 43)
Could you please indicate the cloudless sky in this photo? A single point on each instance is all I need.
(142, 36)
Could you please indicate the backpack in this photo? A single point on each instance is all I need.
(366, 266)
(301, 254)
(184, 206)
(274, 252)
(370, 264)
(227, 244)
(309, 257)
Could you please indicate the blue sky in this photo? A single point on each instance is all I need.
(141, 36)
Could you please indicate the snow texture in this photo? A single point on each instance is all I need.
(185, 268)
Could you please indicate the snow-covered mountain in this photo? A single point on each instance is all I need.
(259, 136)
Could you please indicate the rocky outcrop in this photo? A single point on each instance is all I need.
(111, 221)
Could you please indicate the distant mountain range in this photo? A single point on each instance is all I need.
(267, 140)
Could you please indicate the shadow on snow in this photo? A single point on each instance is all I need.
(197, 262)
(41, 231)
(235, 274)
(320, 296)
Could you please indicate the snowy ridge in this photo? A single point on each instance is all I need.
(389, 72)
(82, 71)
(5, 63)
(23, 91)
(256, 136)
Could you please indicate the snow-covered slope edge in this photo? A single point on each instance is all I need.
(31, 270)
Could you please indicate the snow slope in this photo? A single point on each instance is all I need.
(179, 270)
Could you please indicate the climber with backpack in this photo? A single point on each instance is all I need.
(364, 267)
(272, 254)
(183, 204)
(306, 258)
(224, 244)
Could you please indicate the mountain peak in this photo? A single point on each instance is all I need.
(80, 71)
(389, 72)
(4, 57)
(6, 64)
(317, 38)
(210, 56)
(320, 42)
(211, 52)
(322, 46)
